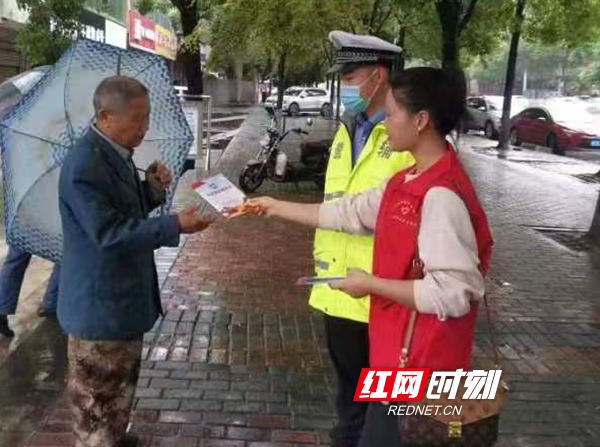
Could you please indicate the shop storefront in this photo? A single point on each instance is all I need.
(146, 35)
(142, 33)
(101, 29)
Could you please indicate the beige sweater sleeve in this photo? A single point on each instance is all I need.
(354, 214)
(448, 248)
(447, 245)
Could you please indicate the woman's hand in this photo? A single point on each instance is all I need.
(357, 285)
(265, 206)
(304, 214)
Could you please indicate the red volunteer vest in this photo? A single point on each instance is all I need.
(439, 345)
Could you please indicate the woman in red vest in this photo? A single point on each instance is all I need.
(432, 205)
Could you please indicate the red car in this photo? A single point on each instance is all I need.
(565, 128)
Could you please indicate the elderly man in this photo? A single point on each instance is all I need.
(109, 294)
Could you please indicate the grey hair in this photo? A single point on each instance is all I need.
(115, 92)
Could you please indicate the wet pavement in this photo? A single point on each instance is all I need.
(32, 382)
(26, 319)
(573, 164)
(240, 360)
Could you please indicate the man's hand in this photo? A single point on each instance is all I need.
(190, 223)
(358, 284)
(159, 176)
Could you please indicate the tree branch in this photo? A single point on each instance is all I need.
(383, 21)
(180, 5)
(468, 15)
(406, 24)
(328, 54)
(374, 12)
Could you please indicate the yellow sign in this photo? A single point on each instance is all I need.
(166, 42)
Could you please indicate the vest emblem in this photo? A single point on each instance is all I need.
(385, 150)
(337, 150)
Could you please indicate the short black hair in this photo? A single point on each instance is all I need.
(115, 92)
(441, 92)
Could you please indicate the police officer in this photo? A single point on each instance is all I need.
(360, 159)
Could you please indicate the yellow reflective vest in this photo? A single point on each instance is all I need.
(335, 252)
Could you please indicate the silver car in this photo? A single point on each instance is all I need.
(485, 113)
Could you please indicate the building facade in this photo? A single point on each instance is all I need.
(113, 22)
(11, 18)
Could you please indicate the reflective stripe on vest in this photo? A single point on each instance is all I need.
(333, 196)
(335, 252)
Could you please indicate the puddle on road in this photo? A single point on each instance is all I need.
(32, 378)
(581, 170)
(574, 239)
(591, 179)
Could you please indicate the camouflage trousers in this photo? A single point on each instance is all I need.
(102, 381)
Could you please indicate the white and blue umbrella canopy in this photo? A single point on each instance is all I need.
(40, 130)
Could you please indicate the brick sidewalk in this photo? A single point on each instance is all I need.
(240, 361)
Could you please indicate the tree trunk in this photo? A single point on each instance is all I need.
(503, 141)
(191, 58)
(332, 91)
(238, 70)
(594, 232)
(256, 84)
(401, 42)
(338, 100)
(449, 15)
(193, 72)
(281, 81)
(453, 23)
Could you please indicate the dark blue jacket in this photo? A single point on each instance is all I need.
(108, 286)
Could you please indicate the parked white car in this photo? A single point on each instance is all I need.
(297, 100)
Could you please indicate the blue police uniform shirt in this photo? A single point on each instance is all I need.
(364, 126)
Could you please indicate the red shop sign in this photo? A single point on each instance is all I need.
(142, 34)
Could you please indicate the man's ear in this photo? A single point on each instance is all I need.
(384, 73)
(102, 116)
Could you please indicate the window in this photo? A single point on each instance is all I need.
(527, 114)
(115, 9)
(536, 114)
(475, 103)
(472, 102)
(317, 92)
(292, 92)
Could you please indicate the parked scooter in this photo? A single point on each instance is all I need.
(271, 163)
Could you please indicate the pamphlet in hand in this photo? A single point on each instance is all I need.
(220, 193)
(319, 281)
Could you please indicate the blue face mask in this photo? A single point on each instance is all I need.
(351, 99)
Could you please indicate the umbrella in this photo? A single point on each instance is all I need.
(14, 88)
(38, 132)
